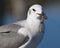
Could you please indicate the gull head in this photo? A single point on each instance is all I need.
(35, 17)
(36, 12)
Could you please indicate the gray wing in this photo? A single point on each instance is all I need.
(10, 27)
(9, 38)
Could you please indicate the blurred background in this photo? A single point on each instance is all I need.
(15, 10)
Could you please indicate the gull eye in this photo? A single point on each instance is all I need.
(34, 10)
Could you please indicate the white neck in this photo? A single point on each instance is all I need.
(33, 24)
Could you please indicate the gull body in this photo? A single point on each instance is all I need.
(29, 30)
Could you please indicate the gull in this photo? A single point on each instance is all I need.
(25, 33)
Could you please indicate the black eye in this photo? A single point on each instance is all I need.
(34, 10)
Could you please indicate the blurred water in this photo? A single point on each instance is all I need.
(52, 28)
(8, 18)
